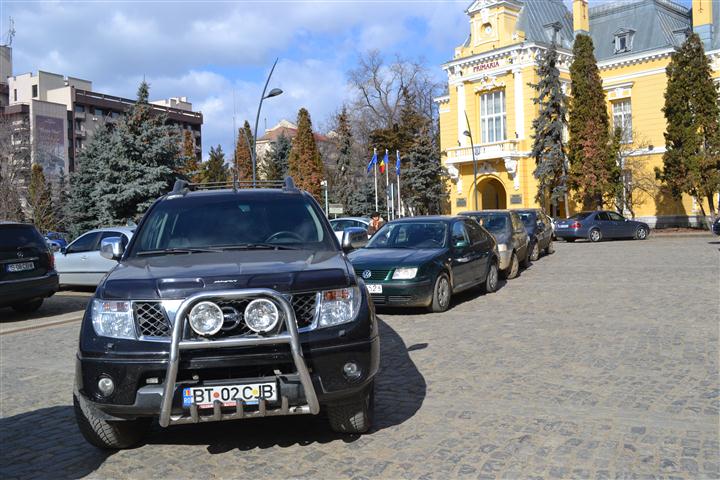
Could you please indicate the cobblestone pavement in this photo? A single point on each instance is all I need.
(600, 361)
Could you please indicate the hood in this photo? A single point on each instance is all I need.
(393, 257)
(177, 276)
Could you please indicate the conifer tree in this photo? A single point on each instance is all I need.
(548, 146)
(191, 166)
(275, 162)
(243, 158)
(691, 162)
(40, 200)
(424, 179)
(304, 163)
(342, 184)
(215, 170)
(594, 173)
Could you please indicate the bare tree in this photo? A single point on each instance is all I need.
(14, 165)
(638, 177)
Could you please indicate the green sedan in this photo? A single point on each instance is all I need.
(423, 261)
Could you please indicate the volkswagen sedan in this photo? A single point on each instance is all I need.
(598, 225)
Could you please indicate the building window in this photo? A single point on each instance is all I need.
(79, 108)
(14, 94)
(622, 119)
(623, 40)
(492, 117)
(99, 112)
(34, 91)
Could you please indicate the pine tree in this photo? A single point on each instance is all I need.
(40, 200)
(215, 170)
(191, 167)
(275, 162)
(691, 162)
(424, 179)
(548, 148)
(243, 158)
(60, 197)
(342, 181)
(594, 173)
(304, 163)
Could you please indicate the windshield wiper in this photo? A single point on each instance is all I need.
(252, 246)
(170, 251)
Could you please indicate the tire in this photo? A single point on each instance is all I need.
(641, 233)
(442, 292)
(29, 306)
(550, 249)
(108, 435)
(353, 417)
(514, 267)
(491, 280)
(594, 235)
(535, 252)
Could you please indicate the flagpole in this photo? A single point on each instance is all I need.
(397, 154)
(375, 171)
(387, 182)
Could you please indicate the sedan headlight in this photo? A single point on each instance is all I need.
(338, 306)
(502, 247)
(404, 273)
(113, 319)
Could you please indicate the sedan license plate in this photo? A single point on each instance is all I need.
(374, 287)
(20, 267)
(228, 395)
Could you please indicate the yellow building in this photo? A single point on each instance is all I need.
(490, 102)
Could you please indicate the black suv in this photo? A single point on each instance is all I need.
(27, 268)
(227, 304)
(539, 229)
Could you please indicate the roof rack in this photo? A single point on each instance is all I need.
(182, 187)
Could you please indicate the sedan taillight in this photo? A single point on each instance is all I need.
(51, 260)
(576, 225)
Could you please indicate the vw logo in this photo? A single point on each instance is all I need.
(20, 254)
(367, 274)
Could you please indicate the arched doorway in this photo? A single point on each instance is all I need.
(491, 194)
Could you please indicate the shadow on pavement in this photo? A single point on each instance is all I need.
(46, 443)
(58, 304)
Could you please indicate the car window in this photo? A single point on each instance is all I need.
(415, 235)
(528, 218)
(475, 232)
(358, 224)
(517, 223)
(580, 216)
(84, 243)
(14, 236)
(459, 234)
(602, 216)
(494, 223)
(616, 217)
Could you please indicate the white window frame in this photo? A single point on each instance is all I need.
(626, 34)
(493, 124)
(622, 118)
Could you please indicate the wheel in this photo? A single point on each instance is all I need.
(514, 267)
(491, 280)
(641, 233)
(535, 252)
(441, 294)
(29, 306)
(595, 235)
(550, 249)
(355, 416)
(108, 435)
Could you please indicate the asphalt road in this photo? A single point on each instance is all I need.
(600, 361)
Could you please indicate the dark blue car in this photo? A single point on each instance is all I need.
(598, 225)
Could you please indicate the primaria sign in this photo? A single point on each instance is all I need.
(486, 66)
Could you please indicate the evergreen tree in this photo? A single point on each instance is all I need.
(342, 181)
(275, 162)
(691, 162)
(548, 149)
(594, 173)
(215, 170)
(424, 179)
(243, 158)
(304, 163)
(191, 167)
(40, 200)
(60, 196)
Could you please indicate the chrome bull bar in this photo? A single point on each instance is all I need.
(290, 337)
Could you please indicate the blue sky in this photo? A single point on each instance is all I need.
(208, 50)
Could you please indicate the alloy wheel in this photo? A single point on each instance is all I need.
(443, 291)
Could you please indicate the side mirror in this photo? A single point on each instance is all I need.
(461, 244)
(354, 238)
(111, 248)
(63, 250)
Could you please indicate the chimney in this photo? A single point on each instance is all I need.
(702, 20)
(581, 18)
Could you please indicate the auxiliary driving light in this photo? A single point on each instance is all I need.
(351, 370)
(106, 386)
(261, 315)
(206, 318)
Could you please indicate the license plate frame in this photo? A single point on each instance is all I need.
(20, 267)
(228, 395)
(376, 288)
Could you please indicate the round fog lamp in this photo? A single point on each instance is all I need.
(351, 370)
(261, 315)
(206, 318)
(106, 386)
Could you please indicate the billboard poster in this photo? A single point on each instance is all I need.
(50, 145)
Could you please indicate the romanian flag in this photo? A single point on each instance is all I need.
(384, 162)
(373, 162)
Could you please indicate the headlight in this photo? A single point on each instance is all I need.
(338, 306)
(404, 273)
(113, 319)
(502, 247)
(261, 315)
(206, 318)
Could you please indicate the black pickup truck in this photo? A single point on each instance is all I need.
(227, 303)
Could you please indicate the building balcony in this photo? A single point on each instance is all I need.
(484, 151)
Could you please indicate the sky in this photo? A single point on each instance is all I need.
(218, 53)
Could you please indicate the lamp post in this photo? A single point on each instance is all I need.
(324, 185)
(273, 93)
(472, 149)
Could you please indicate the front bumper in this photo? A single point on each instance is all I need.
(16, 291)
(405, 293)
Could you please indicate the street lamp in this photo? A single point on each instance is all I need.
(273, 93)
(472, 149)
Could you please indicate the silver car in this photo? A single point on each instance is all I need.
(80, 263)
(340, 224)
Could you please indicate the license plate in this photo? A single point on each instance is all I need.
(228, 395)
(20, 267)
(560, 225)
(374, 287)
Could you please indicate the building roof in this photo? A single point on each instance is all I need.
(289, 129)
(536, 16)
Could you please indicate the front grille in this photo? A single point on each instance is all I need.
(150, 319)
(375, 274)
(304, 306)
(399, 298)
(378, 299)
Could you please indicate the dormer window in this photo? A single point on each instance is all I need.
(624, 40)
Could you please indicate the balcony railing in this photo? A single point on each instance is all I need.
(483, 151)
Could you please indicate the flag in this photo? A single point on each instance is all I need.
(373, 162)
(397, 163)
(384, 162)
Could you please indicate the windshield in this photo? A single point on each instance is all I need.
(410, 235)
(580, 216)
(528, 218)
(231, 221)
(493, 222)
